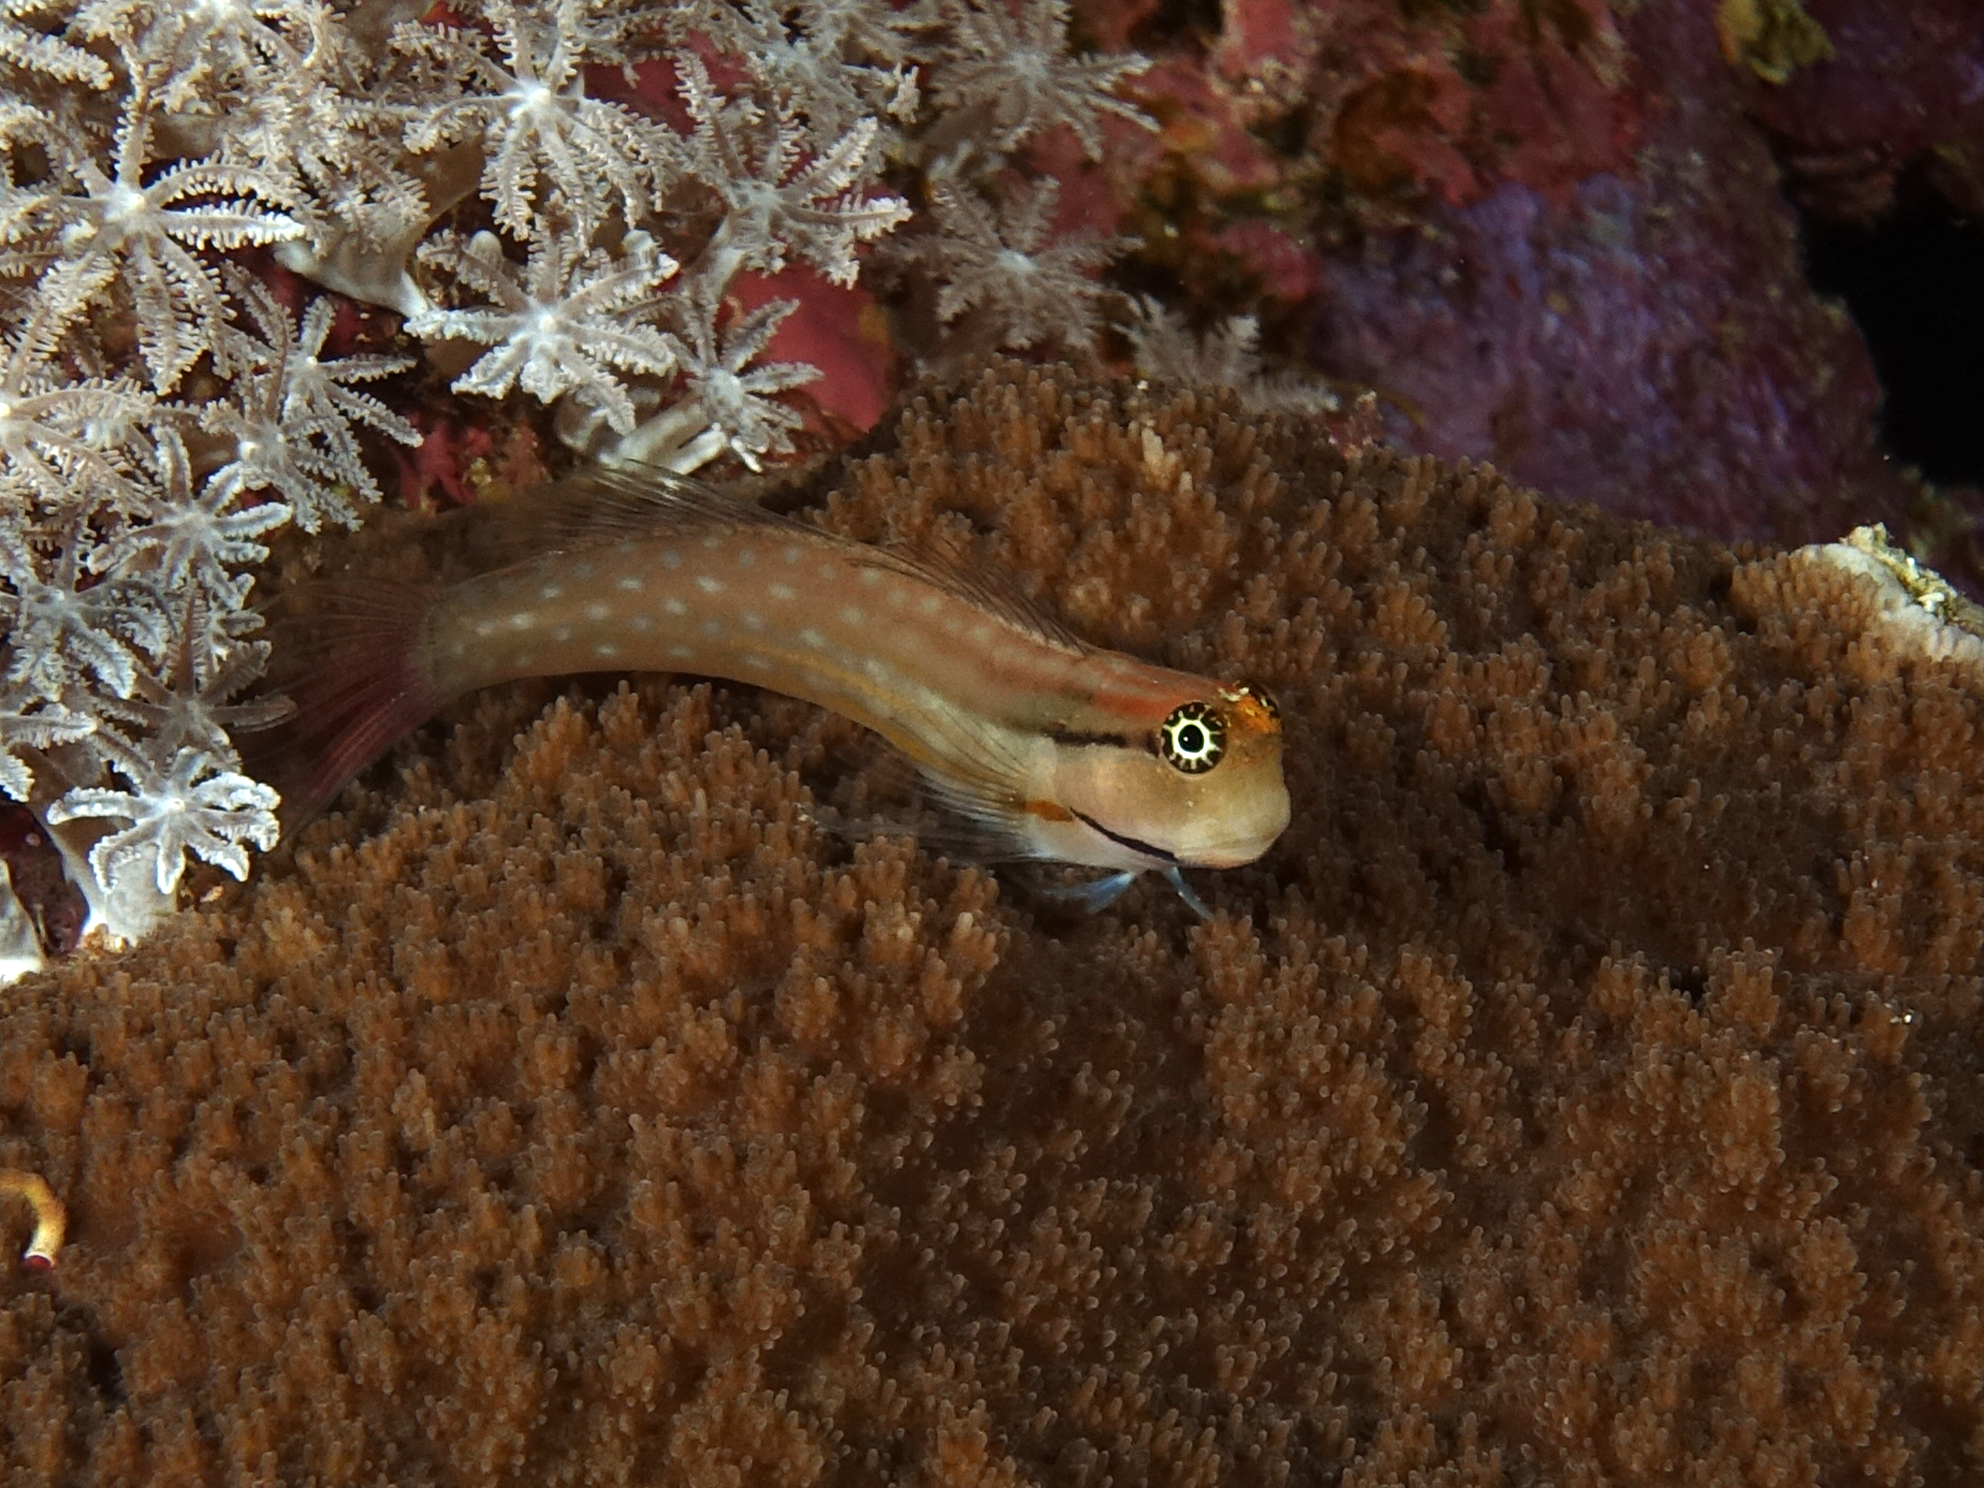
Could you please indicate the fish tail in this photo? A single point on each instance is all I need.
(352, 659)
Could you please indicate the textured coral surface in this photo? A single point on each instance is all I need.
(1585, 1090)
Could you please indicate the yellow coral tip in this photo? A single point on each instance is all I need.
(51, 1221)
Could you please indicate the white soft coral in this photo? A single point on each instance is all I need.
(783, 191)
(195, 804)
(1010, 65)
(143, 236)
(291, 417)
(735, 397)
(567, 323)
(1005, 268)
(532, 118)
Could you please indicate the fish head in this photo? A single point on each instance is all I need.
(1202, 789)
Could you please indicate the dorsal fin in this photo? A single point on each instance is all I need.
(990, 589)
(605, 504)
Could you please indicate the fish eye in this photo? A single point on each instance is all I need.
(1193, 738)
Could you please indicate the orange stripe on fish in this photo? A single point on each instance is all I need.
(1053, 748)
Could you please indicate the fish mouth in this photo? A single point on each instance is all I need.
(1225, 856)
(1235, 850)
(1238, 849)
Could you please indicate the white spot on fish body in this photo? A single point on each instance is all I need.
(790, 552)
(712, 543)
(551, 591)
(632, 583)
(813, 638)
(581, 570)
(746, 557)
(523, 661)
(712, 627)
(854, 615)
(624, 546)
(980, 634)
(522, 620)
(682, 653)
(871, 575)
(675, 607)
(929, 604)
(709, 585)
(561, 633)
(782, 591)
(485, 627)
(597, 611)
(670, 558)
(641, 622)
(752, 620)
(606, 649)
(897, 598)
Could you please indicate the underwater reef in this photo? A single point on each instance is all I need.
(267, 269)
(1584, 1090)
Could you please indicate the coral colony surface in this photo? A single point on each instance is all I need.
(1585, 1089)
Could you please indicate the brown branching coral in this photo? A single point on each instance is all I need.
(1586, 1090)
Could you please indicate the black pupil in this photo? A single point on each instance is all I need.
(1191, 738)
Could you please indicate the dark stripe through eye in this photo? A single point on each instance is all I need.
(1069, 736)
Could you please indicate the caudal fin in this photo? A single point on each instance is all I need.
(348, 655)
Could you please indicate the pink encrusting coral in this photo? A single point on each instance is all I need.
(1584, 1090)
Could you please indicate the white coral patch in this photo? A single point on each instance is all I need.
(1917, 607)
